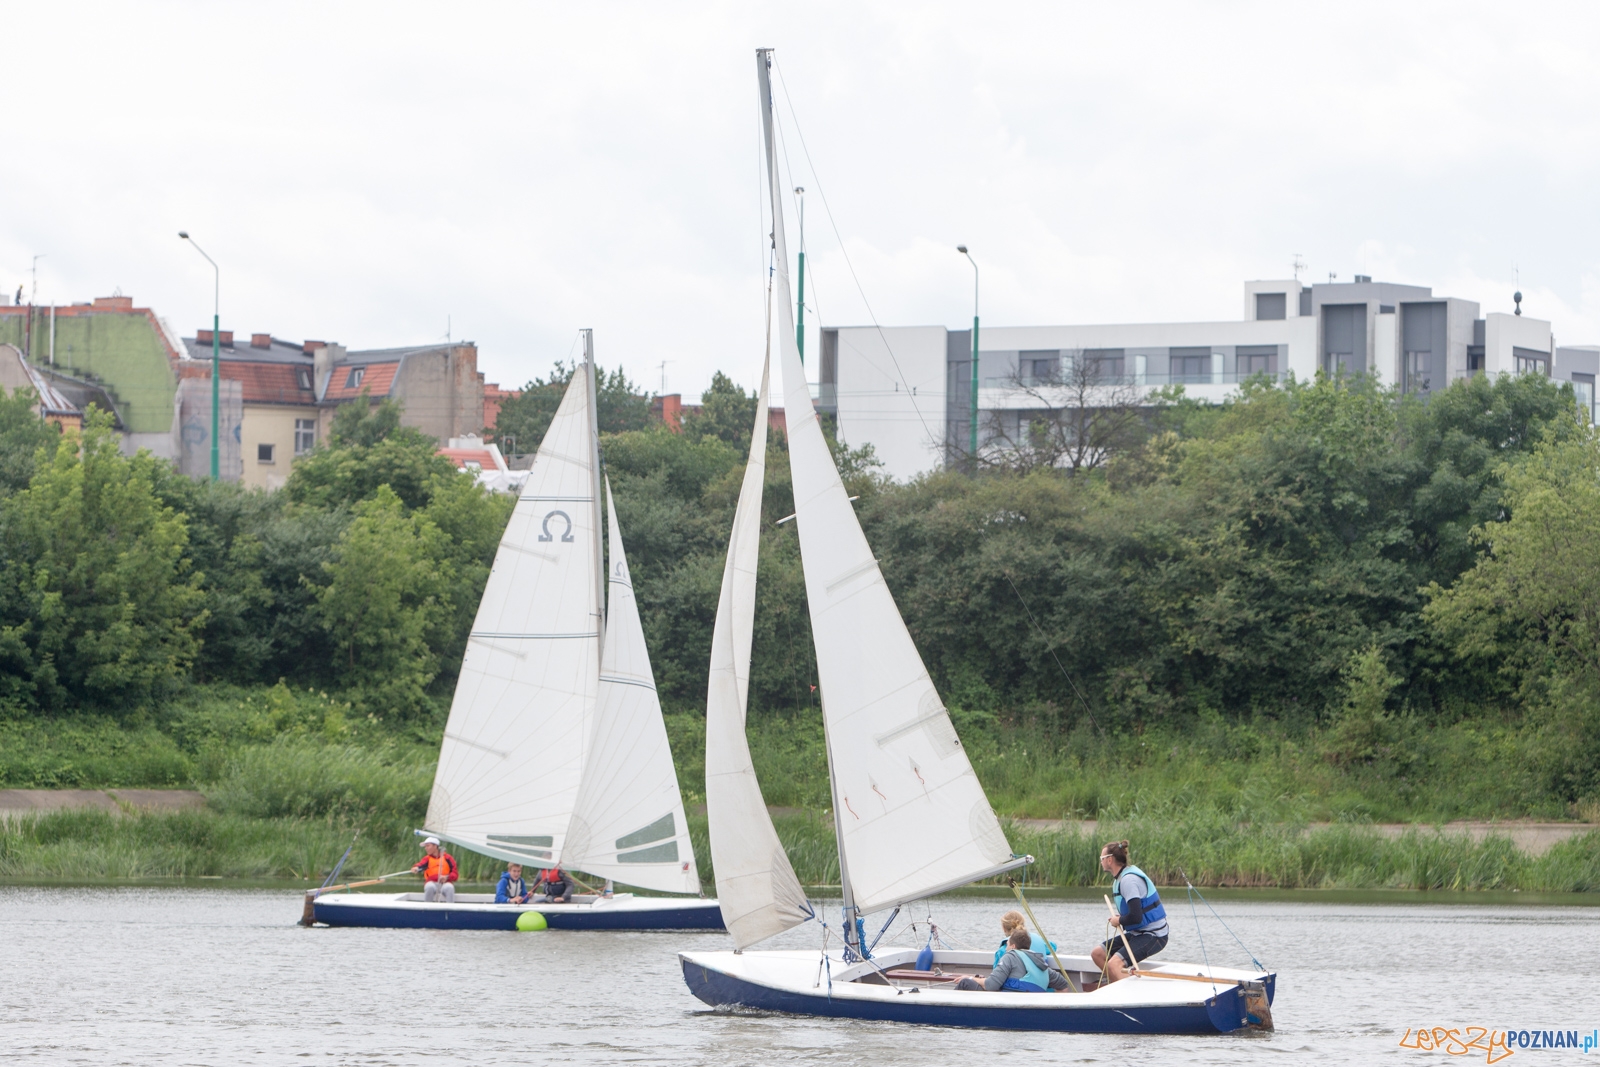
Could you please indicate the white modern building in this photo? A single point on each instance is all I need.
(907, 389)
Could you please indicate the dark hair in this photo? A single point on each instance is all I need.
(1118, 851)
(1020, 938)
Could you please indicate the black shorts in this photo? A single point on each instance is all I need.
(1144, 946)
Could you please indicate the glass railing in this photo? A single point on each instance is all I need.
(1153, 380)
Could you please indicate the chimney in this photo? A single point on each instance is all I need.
(311, 346)
(261, 340)
(202, 337)
(113, 303)
(227, 338)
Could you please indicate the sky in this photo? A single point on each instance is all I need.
(382, 174)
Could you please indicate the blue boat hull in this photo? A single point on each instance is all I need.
(1222, 1013)
(691, 916)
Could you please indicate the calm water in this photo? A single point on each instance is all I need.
(196, 976)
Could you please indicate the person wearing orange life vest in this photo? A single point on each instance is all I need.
(439, 870)
(554, 887)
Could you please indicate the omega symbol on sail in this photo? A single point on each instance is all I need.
(566, 535)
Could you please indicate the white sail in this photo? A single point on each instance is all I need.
(756, 886)
(911, 817)
(514, 746)
(628, 823)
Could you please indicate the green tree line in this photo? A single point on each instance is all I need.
(1324, 555)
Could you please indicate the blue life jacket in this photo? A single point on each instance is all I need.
(509, 888)
(1154, 912)
(1037, 981)
(1005, 946)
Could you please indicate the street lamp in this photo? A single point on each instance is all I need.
(216, 354)
(973, 427)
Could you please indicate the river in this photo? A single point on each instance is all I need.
(224, 976)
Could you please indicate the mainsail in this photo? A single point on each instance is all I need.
(910, 815)
(514, 747)
(756, 886)
(628, 822)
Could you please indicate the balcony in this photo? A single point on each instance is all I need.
(1150, 380)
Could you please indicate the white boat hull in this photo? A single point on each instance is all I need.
(478, 911)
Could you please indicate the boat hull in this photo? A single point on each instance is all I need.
(1134, 1006)
(626, 913)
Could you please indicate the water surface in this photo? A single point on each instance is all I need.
(223, 976)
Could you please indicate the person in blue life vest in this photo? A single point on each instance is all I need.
(512, 889)
(1010, 923)
(1020, 970)
(1140, 914)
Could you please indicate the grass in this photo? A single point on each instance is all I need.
(290, 778)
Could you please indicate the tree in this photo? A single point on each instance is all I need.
(98, 603)
(726, 413)
(23, 435)
(620, 406)
(367, 447)
(1083, 411)
(385, 604)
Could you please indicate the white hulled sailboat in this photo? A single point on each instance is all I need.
(910, 816)
(555, 752)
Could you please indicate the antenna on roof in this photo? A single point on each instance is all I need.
(1297, 265)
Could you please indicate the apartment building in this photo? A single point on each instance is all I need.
(907, 389)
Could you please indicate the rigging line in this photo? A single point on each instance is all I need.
(1219, 919)
(1053, 655)
(828, 210)
(1204, 956)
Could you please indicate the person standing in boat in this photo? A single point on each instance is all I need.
(1019, 970)
(1140, 914)
(554, 887)
(512, 889)
(439, 871)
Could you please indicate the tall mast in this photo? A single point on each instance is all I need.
(786, 335)
(594, 467)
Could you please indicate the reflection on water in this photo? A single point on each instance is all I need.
(139, 976)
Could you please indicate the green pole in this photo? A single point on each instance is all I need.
(216, 390)
(972, 417)
(800, 315)
(800, 319)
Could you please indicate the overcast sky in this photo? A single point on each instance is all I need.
(368, 173)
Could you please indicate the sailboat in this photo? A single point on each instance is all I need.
(555, 752)
(910, 816)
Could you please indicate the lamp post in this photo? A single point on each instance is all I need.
(216, 354)
(800, 317)
(972, 429)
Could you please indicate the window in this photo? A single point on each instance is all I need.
(264, 453)
(1583, 388)
(1530, 361)
(353, 379)
(1271, 305)
(1190, 364)
(1104, 364)
(1418, 371)
(303, 377)
(305, 436)
(1257, 359)
(1039, 366)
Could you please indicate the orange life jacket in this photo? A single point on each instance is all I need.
(440, 868)
(554, 874)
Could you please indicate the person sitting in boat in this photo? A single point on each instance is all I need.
(439, 871)
(512, 889)
(554, 887)
(1140, 915)
(1010, 923)
(1020, 970)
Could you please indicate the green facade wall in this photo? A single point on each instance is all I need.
(120, 350)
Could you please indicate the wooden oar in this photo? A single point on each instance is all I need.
(309, 914)
(1133, 964)
(1051, 945)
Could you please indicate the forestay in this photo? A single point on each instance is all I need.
(756, 885)
(911, 817)
(628, 822)
(523, 713)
